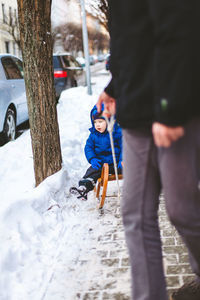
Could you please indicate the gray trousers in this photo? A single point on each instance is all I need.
(147, 170)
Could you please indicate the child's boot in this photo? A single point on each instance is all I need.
(85, 186)
(88, 183)
(81, 192)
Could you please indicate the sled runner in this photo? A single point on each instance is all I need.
(103, 182)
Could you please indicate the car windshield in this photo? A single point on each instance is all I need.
(56, 62)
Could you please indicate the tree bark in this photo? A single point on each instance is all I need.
(36, 43)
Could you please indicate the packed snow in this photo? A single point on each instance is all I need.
(36, 221)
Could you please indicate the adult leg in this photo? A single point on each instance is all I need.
(180, 173)
(139, 210)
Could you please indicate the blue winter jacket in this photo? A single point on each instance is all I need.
(98, 144)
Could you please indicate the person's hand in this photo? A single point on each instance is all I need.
(164, 135)
(119, 166)
(96, 163)
(109, 104)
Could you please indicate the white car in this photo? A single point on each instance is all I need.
(13, 103)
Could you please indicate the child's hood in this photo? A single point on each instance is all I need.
(94, 113)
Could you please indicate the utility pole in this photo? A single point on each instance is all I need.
(85, 46)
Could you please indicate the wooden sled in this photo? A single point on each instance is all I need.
(103, 182)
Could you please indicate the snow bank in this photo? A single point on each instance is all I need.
(34, 220)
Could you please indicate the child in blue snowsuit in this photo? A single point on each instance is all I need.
(98, 151)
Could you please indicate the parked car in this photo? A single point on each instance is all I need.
(95, 58)
(107, 62)
(13, 103)
(100, 58)
(67, 72)
(91, 59)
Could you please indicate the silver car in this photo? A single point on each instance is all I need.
(13, 104)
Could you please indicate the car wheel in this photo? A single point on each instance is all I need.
(9, 131)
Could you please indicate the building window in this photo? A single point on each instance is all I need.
(7, 46)
(15, 16)
(10, 15)
(3, 13)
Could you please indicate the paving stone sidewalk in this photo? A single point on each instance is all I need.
(104, 271)
(115, 268)
(176, 263)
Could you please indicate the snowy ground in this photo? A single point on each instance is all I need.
(32, 236)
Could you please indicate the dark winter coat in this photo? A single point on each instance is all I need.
(155, 61)
(98, 144)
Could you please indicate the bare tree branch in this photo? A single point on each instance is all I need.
(100, 9)
(72, 38)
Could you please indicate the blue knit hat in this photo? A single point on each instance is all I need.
(97, 116)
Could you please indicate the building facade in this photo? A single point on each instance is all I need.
(8, 19)
(69, 11)
(65, 11)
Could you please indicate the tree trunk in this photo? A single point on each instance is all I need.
(36, 42)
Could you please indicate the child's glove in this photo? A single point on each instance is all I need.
(96, 163)
(119, 166)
